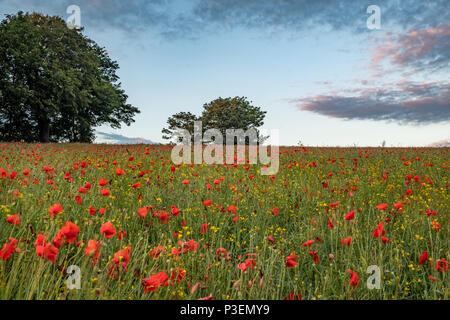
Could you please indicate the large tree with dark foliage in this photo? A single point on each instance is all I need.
(221, 114)
(55, 83)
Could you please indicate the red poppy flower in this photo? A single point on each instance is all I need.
(8, 249)
(207, 203)
(152, 283)
(142, 212)
(350, 215)
(92, 250)
(314, 255)
(378, 232)
(441, 265)
(174, 211)
(291, 260)
(13, 219)
(204, 228)
(293, 296)
(423, 258)
(346, 241)
(55, 209)
(177, 275)
(354, 280)
(108, 230)
(70, 232)
(308, 243)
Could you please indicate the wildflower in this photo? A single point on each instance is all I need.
(92, 250)
(13, 219)
(354, 280)
(55, 209)
(152, 283)
(441, 265)
(350, 215)
(8, 249)
(346, 241)
(108, 230)
(423, 257)
(291, 260)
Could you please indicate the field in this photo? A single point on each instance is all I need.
(138, 226)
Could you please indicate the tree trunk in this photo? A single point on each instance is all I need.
(44, 130)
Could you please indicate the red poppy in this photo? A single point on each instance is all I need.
(308, 243)
(92, 250)
(354, 280)
(293, 296)
(291, 260)
(346, 241)
(177, 275)
(105, 192)
(222, 252)
(204, 228)
(156, 252)
(8, 249)
(142, 212)
(163, 216)
(120, 172)
(378, 232)
(382, 206)
(350, 215)
(207, 203)
(13, 219)
(154, 282)
(70, 232)
(174, 210)
(55, 209)
(441, 265)
(423, 257)
(121, 258)
(108, 230)
(314, 255)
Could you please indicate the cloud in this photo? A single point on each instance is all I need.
(407, 103)
(177, 18)
(440, 144)
(421, 49)
(119, 139)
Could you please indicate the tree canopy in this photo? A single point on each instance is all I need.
(55, 83)
(221, 114)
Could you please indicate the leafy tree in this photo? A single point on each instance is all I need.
(179, 121)
(221, 114)
(55, 83)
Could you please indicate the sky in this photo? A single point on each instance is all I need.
(323, 76)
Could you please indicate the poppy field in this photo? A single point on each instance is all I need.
(138, 226)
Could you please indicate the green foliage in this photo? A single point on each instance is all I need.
(221, 114)
(55, 83)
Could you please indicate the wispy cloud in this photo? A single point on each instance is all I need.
(441, 143)
(114, 138)
(407, 103)
(179, 19)
(419, 49)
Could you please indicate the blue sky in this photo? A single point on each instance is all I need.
(322, 76)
